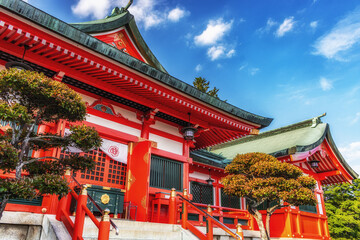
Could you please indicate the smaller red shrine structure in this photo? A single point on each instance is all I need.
(309, 146)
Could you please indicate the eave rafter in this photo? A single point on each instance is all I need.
(112, 77)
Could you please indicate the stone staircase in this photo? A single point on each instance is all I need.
(131, 230)
(31, 226)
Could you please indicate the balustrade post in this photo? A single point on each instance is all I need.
(63, 201)
(172, 207)
(209, 224)
(80, 214)
(104, 228)
(239, 231)
(184, 210)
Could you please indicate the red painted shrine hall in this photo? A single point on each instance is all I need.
(142, 113)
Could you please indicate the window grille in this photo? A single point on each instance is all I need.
(230, 201)
(165, 173)
(106, 172)
(308, 208)
(202, 193)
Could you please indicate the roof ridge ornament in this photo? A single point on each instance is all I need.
(317, 120)
(117, 11)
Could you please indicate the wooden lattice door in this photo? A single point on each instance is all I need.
(107, 172)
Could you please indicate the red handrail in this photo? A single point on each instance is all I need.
(209, 219)
(76, 229)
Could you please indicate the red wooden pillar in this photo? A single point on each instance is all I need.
(239, 231)
(172, 207)
(138, 177)
(184, 216)
(104, 228)
(80, 214)
(63, 202)
(148, 119)
(288, 230)
(209, 225)
(186, 153)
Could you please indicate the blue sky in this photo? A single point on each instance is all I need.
(286, 59)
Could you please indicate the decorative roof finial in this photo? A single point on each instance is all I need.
(317, 120)
(117, 10)
(128, 5)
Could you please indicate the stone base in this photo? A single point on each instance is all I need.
(31, 226)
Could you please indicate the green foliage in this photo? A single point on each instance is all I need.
(84, 137)
(342, 203)
(29, 99)
(39, 96)
(17, 188)
(261, 178)
(203, 85)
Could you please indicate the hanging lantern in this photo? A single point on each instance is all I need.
(189, 131)
(209, 180)
(314, 163)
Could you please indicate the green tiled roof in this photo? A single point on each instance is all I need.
(209, 158)
(302, 137)
(41, 18)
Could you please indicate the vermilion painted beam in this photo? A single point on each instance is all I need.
(323, 175)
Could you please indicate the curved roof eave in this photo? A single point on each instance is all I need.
(57, 26)
(339, 155)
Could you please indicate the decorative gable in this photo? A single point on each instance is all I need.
(121, 40)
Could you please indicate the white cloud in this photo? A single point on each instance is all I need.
(219, 51)
(351, 153)
(314, 24)
(145, 13)
(242, 67)
(355, 119)
(342, 37)
(270, 23)
(325, 84)
(230, 53)
(214, 32)
(26, 1)
(254, 71)
(176, 14)
(285, 27)
(198, 68)
(94, 8)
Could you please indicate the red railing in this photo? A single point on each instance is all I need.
(76, 228)
(210, 220)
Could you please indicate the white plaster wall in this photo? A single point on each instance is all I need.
(127, 114)
(167, 144)
(199, 175)
(166, 128)
(87, 98)
(113, 125)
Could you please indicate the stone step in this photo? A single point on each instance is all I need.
(139, 231)
(132, 234)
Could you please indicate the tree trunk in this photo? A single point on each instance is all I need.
(3, 205)
(258, 217)
(268, 215)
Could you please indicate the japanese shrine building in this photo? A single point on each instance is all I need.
(142, 113)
